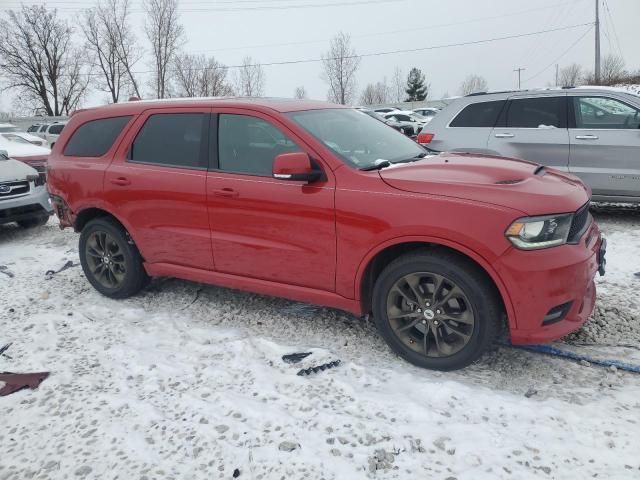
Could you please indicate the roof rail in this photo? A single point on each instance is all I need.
(475, 94)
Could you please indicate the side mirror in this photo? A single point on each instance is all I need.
(295, 166)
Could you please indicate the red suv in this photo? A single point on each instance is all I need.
(324, 204)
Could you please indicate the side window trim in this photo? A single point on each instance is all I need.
(213, 142)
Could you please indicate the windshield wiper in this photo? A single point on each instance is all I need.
(377, 166)
(387, 163)
(412, 159)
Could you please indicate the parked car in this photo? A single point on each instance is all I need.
(23, 194)
(384, 110)
(401, 127)
(407, 118)
(9, 131)
(38, 129)
(24, 151)
(589, 132)
(336, 209)
(426, 113)
(53, 132)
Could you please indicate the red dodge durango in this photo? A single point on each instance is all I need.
(320, 203)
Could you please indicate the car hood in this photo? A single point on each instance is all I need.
(13, 170)
(507, 182)
(17, 150)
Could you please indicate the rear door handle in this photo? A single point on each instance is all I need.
(225, 192)
(504, 135)
(586, 137)
(121, 181)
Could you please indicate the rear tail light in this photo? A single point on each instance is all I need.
(425, 137)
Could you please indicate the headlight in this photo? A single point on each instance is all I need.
(531, 233)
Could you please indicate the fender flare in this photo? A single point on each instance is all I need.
(472, 254)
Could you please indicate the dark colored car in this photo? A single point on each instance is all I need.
(323, 204)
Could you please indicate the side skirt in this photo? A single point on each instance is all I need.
(264, 287)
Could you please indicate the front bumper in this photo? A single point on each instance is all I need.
(35, 204)
(541, 281)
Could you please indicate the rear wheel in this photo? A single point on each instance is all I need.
(33, 221)
(110, 260)
(436, 309)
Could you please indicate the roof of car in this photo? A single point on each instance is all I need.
(259, 103)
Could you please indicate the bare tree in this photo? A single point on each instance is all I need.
(340, 65)
(398, 85)
(39, 60)
(570, 75)
(250, 79)
(127, 49)
(375, 93)
(612, 70)
(473, 83)
(199, 76)
(300, 92)
(102, 38)
(165, 35)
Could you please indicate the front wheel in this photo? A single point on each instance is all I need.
(436, 309)
(110, 260)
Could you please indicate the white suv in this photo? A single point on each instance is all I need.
(52, 132)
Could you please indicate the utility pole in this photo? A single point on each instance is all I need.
(556, 74)
(519, 70)
(597, 69)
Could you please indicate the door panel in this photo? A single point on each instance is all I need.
(605, 145)
(533, 129)
(277, 230)
(165, 205)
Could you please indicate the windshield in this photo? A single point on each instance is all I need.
(358, 139)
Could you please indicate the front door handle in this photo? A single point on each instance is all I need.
(121, 181)
(225, 192)
(504, 135)
(586, 137)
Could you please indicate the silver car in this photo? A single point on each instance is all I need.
(591, 132)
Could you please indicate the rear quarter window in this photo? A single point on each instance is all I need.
(95, 138)
(56, 129)
(482, 114)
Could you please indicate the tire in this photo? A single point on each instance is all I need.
(104, 238)
(463, 327)
(33, 222)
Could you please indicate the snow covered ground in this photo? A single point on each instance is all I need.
(186, 381)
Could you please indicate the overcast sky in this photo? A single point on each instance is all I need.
(283, 30)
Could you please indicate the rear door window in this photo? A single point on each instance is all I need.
(95, 138)
(482, 114)
(537, 112)
(248, 144)
(173, 139)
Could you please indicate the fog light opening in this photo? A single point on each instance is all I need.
(557, 313)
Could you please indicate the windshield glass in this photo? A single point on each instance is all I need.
(357, 138)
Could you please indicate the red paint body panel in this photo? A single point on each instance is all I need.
(313, 242)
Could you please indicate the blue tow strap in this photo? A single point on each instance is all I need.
(548, 350)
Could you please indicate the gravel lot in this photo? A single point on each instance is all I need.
(186, 381)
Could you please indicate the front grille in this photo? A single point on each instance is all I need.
(581, 220)
(20, 211)
(13, 189)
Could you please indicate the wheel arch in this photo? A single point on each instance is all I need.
(385, 253)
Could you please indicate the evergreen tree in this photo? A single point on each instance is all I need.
(416, 88)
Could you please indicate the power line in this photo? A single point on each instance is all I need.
(210, 8)
(389, 32)
(613, 27)
(563, 53)
(390, 52)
